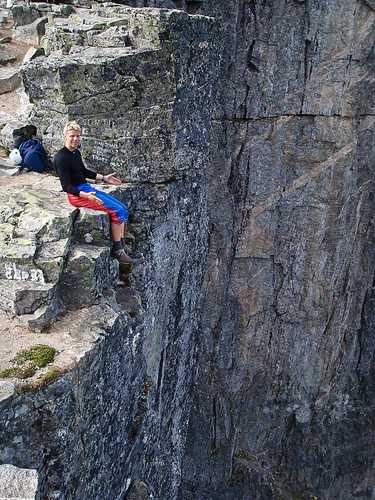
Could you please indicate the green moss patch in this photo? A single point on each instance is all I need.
(52, 374)
(28, 361)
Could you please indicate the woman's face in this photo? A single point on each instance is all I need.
(72, 139)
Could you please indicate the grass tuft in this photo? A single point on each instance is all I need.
(28, 361)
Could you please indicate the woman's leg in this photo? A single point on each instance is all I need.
(118, 214)
(117, 210)
(118, 250)
(117, 231)
(115, 205)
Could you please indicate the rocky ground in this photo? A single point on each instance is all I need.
(62, 335)
(69, 335)
(10, 102)
(74, 333)
(14, 335)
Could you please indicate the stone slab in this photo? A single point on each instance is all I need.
(9, 79)
(16, 483)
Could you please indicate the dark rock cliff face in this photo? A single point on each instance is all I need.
(287, 342)
(285, 313)
(250, 374)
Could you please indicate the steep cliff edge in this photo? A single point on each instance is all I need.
(250, 373)
(144, 102)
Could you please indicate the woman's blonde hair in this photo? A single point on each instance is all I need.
(72, 126)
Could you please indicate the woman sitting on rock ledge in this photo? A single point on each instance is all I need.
(72, 173)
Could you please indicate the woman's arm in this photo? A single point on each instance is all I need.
(108, 179)
(91, 197)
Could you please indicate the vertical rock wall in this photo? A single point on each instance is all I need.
(250, 373)
(287, 332)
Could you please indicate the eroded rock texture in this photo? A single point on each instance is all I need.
(250, 372)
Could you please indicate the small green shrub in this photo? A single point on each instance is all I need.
(41, 355)
(28, 361)
(21, 389)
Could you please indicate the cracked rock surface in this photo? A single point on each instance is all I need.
(245, 135)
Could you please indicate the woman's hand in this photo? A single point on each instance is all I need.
(91, 197)
(111, 179)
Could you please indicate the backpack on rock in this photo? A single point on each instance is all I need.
(34, 156)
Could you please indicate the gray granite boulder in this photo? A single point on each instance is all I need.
(17, 484)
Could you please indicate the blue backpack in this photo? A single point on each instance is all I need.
(34, 156)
